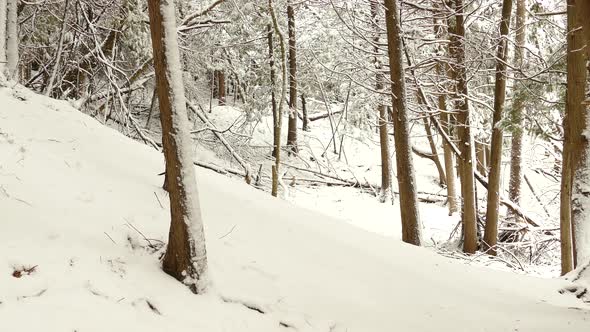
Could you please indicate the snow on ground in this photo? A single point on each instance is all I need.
(81, 209)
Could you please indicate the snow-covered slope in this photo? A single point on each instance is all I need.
(79, 201)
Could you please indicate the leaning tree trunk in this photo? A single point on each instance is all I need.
(490, 238)
(579, 125)
(517, 121)
(186, 254)
(408, 198)
(12, 38)
(292, 129)
(466, 163)
(382, 112)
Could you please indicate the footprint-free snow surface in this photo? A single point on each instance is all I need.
(83, 220)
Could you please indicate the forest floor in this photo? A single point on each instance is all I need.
(84, 221)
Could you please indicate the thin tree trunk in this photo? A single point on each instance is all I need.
(273, 84)
(292, 129)
(480, 156)
(279, 113)
(466, 165)
(381, 112)
(441, 70)
(221, 87)
(12, 39)
(186, 254)
(3, 10)
(304, 110)
(490, 238)
(514, 187)
(441, 173)
(410, 216)
(59, 50)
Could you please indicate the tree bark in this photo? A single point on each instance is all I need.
(3, 10)
(381, 111)
(292, 129)
(517, 123)
(186, 254)
(410, 216)
(12, 39)
(466, 165)
(578, 127)
(490, 238)
(221, 87)
(279, 112)
(304, 111)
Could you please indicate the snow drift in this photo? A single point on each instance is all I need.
(83, 220)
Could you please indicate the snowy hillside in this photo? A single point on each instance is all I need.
(83, 218)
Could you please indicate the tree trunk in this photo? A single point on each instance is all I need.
(480, 157)
(452, 201)
(186, 254)
(221, 87)
(490, 238)
(2, 36)
(12, 39)
(578, 125)
(517, 121)
(304, 110)
(279, 112)
(466, 165)
(410, 216)
(442, 179)
(273, 84)
(292, 130)
(381, 112)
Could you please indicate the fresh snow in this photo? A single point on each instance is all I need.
(79, 202)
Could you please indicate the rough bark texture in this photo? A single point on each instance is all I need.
(574, 123)
(12, 39)
(579, 126)
(490, 238)
(410, 216)
(186, 255)
(273, 84)
(382, 113)
(466, 165)
(2, 36)
(514, 187)
(292, 129)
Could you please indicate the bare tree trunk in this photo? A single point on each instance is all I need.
(441, 70)
(273, 84)
(12, 39)
(442, 179)
(382, 112)
(480, 156)
(578, 126)
(304, 110)
(490, 238)
(292, 130)
(221, 87)
(279, 113)
(186, 254)
(514, 187)
(466, 164)
(49, 86)
(3, 10)
(410, 216)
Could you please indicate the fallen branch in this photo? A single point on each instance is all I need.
(201, 115)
